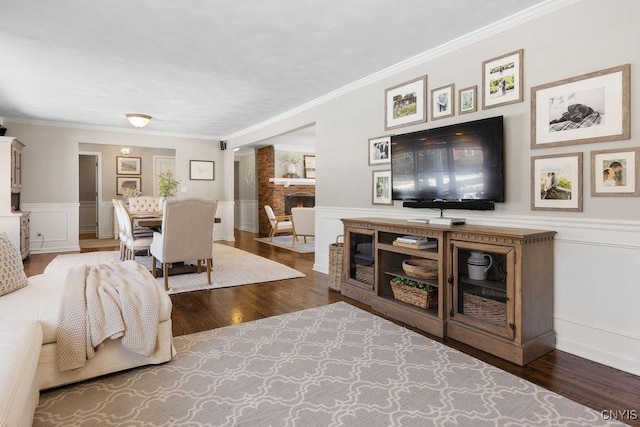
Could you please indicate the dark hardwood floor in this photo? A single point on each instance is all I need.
(597, 386)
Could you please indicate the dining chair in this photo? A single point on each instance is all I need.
(144, 204)
(279, 223)
(187, 235)
(130, 241)
(304, 220)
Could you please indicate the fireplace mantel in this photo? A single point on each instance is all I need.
(293, 181)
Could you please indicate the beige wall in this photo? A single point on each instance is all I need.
(109, 155)
(595, 308)
(51, 160)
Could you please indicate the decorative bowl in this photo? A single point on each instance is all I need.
(420, 268)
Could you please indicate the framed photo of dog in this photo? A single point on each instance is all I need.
(593, 107)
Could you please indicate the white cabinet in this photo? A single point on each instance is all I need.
(12, 221)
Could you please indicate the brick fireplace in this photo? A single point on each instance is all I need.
(275, 195)
(298, 200)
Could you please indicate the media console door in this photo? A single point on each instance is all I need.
(482, 287)
(501, 292)
(359, 262)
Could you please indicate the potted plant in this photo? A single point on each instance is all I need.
(289, 161)
(167, 184)
(420, 294)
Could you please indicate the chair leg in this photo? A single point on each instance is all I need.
(165, 273)
(153, 266)
(209, 261)
(199, 267)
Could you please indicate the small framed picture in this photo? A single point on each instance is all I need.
(502, 80)
(201, 170)
(128, 165)
(593, 107)
(556, 182)
(405, 104)
(309, 166)
(443, 102)
(379, 150)
(381, 188)
(132, 182)
(467, 102)
(613, 173)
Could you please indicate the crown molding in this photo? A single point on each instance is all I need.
(487, 31)
(136, 131)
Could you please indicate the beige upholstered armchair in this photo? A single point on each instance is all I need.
(304, 219)
(144, 204)
(280, 223)
(187, 234)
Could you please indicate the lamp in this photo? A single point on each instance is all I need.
(125, 151)
(138, 120)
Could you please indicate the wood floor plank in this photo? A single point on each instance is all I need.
(597, 386)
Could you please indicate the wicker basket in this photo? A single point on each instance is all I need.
(414, 296)
(335, 264)
(420, 268)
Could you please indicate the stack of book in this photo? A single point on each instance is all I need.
(415, 242)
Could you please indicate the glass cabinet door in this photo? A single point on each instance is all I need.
(361, 252)
(482, 285)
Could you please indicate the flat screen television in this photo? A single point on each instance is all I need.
(460, 166)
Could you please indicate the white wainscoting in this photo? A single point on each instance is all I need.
(106, 221)
(224, 229)
(596, 277)
(246, 215)
(58, 223)
(87, 216)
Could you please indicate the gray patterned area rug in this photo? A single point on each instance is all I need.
(334, 365)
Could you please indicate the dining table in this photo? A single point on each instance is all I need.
(153, 220)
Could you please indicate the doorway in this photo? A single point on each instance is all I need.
(88, 189)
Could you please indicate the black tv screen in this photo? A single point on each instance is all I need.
(461, 162)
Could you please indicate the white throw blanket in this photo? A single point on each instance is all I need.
(111, 300)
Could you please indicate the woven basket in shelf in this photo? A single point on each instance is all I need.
(414, 296)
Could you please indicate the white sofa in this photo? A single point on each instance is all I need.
(28, 326)
(21, 342)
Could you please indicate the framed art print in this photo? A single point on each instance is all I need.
(614, 174)
(442, 102)
(405, 104)
(593, 107)
(201, 170)
(556, 182)
(132, 182)
(128, 165)
(379, 150)
(381, 188)
(467, 100)
(502, 80)
(309, 166)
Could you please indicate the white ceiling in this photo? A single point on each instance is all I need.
(209, 67)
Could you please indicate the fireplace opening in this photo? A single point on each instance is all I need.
(298, 201)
